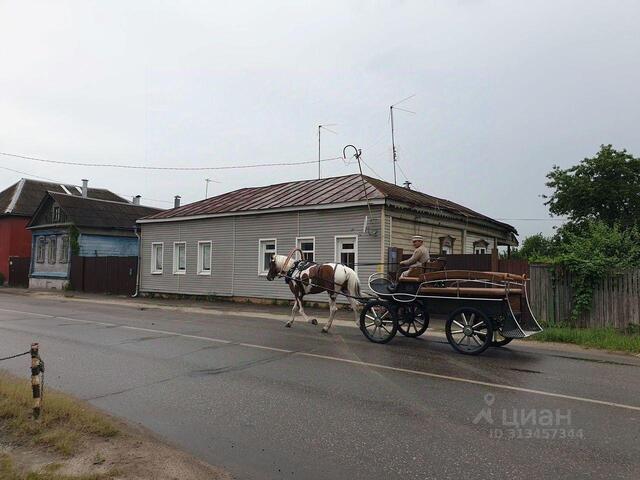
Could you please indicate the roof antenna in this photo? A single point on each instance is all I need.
(320, 127)
(393, 140)
(364, 185)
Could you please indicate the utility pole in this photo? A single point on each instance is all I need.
(393, 139)
(320, 127)
(393, 146)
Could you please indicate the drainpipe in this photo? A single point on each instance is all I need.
(135, 295)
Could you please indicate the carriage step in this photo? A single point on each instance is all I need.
(517, 333)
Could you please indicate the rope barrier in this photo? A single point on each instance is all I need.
(15, 356)
(37, 376)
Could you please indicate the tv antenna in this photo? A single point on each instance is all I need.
(393, 140)
(320, 127)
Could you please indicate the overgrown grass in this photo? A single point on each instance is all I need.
(603, 338)
(62, 425)
(9, 472)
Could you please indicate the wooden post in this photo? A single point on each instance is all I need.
(36, 369)
(494, 259)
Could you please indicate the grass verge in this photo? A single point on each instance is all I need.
(602, 338)
(9, 472)
(62, 426)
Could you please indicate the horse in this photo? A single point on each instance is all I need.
(333, 278)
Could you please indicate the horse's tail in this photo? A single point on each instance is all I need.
(353, 284)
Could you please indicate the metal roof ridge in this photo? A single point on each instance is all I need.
(16, 195)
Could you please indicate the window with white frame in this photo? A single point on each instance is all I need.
(53, 249)
(64, 249)
(179, 258)
(40, 249)
(157, 257)
(267, 249)
(347, 251)
(480, 247)
(446, 245)
(204, 258)
(56, 214)
(308, 247)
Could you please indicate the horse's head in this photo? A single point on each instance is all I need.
(274, 269)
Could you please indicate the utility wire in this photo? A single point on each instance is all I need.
(145, 167)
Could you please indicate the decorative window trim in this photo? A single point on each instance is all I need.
(41, 249)
(64, 249)
(55, 215)
(201, 270)
(261, 271)
(176, 269)
(155, 271)
(336, 253)
(480, 247)
(447, 241)
(301, 240)
(52, 249)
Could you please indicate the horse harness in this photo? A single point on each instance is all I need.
(296, 270)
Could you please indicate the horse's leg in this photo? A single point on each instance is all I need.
(356, 310)
(294, 310)
(312, 321)
(333, 308)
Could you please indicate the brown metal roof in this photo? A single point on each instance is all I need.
(23, 198)
(324, 191)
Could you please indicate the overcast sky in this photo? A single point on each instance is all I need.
(503, 91)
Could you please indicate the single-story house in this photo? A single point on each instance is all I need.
(67, 226)
(221, 246)
(18, 203)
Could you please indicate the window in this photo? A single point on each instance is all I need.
(179, 258)
(40, 249)
(307, 245)
(480, 247)
(347, 251)
(53, 247)
(446, 245)
(64, 250)
(156, 257)
(56, 214)
(267, 249)
(204, 258)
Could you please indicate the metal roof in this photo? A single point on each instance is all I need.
(22, 198)
(96, 213)
(326, 191)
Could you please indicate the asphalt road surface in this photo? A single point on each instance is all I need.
(266, 402)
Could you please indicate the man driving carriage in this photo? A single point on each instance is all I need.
(420, 255)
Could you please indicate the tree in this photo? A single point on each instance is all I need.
(535, 248)
(605, 187)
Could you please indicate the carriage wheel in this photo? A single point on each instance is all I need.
(469, 331)
(377, 321)
(413, 319)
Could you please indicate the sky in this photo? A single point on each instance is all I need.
(503, 91)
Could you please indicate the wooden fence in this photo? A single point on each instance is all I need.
(114, 275)
(616, 299)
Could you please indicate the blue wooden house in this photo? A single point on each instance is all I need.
(67, 229)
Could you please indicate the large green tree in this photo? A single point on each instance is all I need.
(605, 187)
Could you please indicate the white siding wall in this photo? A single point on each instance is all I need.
(240, 278)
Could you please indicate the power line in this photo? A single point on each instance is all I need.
(145, 167)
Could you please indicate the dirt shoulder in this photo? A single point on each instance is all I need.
(74, 441)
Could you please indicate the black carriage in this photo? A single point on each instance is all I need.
(483, 309)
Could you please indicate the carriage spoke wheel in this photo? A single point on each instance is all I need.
(469, 331)
(413, 319)
(377, 321)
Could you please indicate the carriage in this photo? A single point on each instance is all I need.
(483, 309)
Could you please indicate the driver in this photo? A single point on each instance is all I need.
(420, 255)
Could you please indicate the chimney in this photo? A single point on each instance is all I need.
(85, 187)
(136, 200)
(407, 185)
(176, 201)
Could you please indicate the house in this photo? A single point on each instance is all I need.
(17, 206)
(221, 246)
(65, 228)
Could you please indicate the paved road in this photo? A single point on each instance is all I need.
(267, 402)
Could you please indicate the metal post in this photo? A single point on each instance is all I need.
(36, 369)
(393, 146)
(319, 130)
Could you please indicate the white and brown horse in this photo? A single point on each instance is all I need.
(333, 278)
